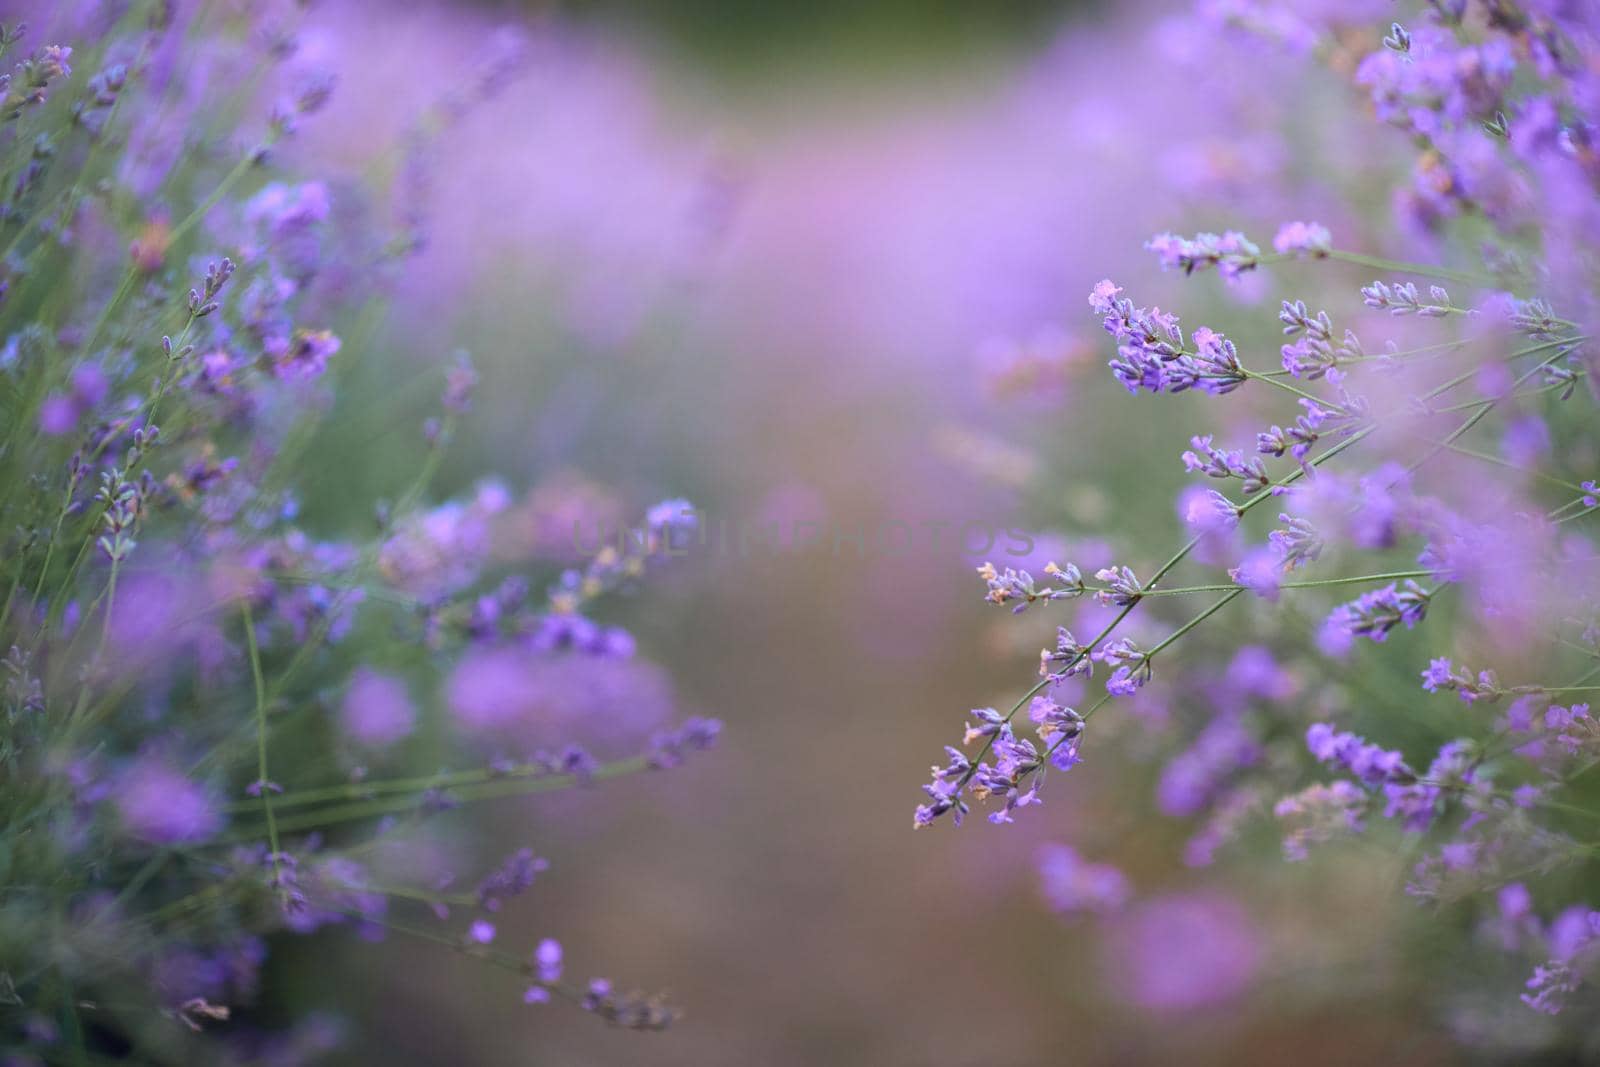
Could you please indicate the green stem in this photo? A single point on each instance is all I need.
(1484, 407)
(363, 566)
(1497, 461)
(489, 790)
(1161, 572)
(362, 791)
(495, 957)
(1216, 606)
(1278, 383)
(263, 782)
(187, 223)
(1541, 391)
(1354, 579)
(1420, 269)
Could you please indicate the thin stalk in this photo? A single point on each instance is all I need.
(263, 782)
(1420, 269)
(1353, 579)
(490, 790)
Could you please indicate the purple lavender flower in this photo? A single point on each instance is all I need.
(1071, 885)
(1574, 936)
(1436, 82)
(1439, 673)
(990, 724)
(1232, 253)
(1320, 419)
(1315, 353)
(1121, 586)
(1014, 585)
(511, 879)
(1303, 239)
(1442, 674)
(1067, 659)
(1146, 339)
(377, 709)
(1206, 510)
(157, 804)
(694, 734)
(460, 381)
(1216, 463)
(1260, 571)
(58, 415)
(1371, 764)
(547, 961)
(1226, 463)
(226, 627)
(1054, 721)
(28, 85)
(1403, 298)
(1318, 813)
(1183, 952)
(1571, 725)
(1376, 613)
(1194, 776)
(1215, 362)
(1130, 664)
(305, 355)
(1297, 543)
(1151, 353)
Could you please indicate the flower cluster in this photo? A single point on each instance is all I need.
(1231, 253)
(1418, 486)
(1019, 587)
(217, 679)
(1151, 352)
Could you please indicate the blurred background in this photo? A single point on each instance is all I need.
(827, 261)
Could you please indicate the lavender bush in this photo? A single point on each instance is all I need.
(227, 721)
(1384, 621)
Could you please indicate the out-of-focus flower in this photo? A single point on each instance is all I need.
(158, 804)
(1182, 952)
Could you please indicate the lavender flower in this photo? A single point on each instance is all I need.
(1376, 613)
(1073, 886)
(157, 804)
(1183, 952)
(1151, 352)
(1226, 463)
(1372, 765)
(547, 961)
(1067, 659)
(511, 879)
(1443, 675)
(179, 643)
(1014, 585)
(1231, 253)
(306, 355)
(1456, 458)
(1297, 543)
(1319, 813)
(1434, 83)
(1554, 982)
(1303, 239)
(1121, 586)
(377, 709)
(1403, 298)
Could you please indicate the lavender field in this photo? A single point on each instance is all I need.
(502, 503)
